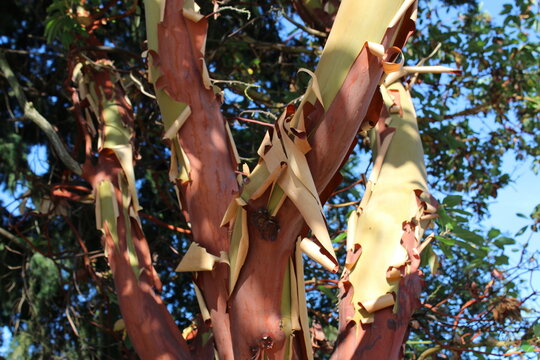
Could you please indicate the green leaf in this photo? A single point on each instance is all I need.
(445, 240)
(460, 211)
(329, 293)
(446, 251)
(340, 237)
(493, 233)
(471, 248)
(331, 333)
(460, 219)
(433, 261)
(501, 260)
(521, 231)
(468, 235)
(527, 347)
(503, 241)
(506, 10)
(452, 200)
(428, 257)
(536, 330)
(445, 221)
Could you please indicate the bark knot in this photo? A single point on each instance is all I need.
(267, 225)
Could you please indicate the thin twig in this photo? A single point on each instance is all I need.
(303, 27)
(281, 47)
(245, 89)
(420, 63)
(243, 27)
(164, 224)
(359, 181)
(344, 204)
(471, 111)
(232, 8)
(113, 49)
(251, 121)
(254, 111)
(34, 53)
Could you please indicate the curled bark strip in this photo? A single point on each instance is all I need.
(390, 64)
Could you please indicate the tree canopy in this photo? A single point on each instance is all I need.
(57, 297)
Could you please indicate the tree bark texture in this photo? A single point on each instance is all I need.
(247, 320)
(106, 119)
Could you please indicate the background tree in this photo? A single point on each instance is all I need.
(57, 287)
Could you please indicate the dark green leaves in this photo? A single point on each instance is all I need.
(452, 200)
(62, 24)
(502, 241)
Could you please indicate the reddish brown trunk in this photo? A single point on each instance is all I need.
(252, 313)
(149, 325)
(255, 306)
(204, 138)
(384, 338)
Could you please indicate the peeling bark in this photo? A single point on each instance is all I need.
(384, 338)
(253, 311)
(100, 99)
(385, 335)
(177, 53)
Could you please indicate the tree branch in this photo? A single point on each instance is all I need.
(471, 111)
(11, 237)
(31, 113)
(303, 27)
(247, 90)
(281, 47)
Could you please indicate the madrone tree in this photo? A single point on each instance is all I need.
(251, 219)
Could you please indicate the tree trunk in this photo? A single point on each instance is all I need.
(100, 99)
(243, 292)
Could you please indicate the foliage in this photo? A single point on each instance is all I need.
(64, 23)
(492, 108)
(57, 294)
